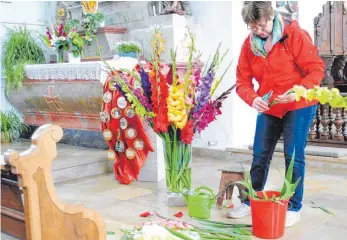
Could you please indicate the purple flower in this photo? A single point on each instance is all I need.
(146, 84)
(203, 91)
(205, 116)
(143, 99)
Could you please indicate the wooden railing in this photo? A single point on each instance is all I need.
(329, 126)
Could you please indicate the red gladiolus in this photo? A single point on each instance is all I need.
(187, 133)
(145, 214)
(162, 111)
(179, 215)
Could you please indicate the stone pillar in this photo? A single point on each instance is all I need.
(154, 168)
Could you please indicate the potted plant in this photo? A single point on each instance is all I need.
(128, 49)
(20, 48)
(11, 126)
(269, 208)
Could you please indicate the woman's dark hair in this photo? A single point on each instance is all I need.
(254, 11)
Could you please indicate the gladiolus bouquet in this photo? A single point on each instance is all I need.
(175, 106)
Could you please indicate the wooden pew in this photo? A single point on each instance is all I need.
(45, 216)
(12, 209)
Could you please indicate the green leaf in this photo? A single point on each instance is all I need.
(206, 221)
(78, 41)
(110, 233)
(178, 234)
(265, 196)
(274, 197)
(289, 175)
(296, 184)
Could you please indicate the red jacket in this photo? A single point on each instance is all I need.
(294, 60)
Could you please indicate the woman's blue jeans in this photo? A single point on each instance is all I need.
(295, 126)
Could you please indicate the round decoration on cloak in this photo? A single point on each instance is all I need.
(139, 144)
(121, 102)
(129, 112)
(107, 97)
(130, 133)
(104, 117)
(123, 123)
(119, 146)
(107, 134)
(116, 113)
(111, 155)
(130, 153)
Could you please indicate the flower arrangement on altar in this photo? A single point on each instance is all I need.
(175, 106)
(64, 37)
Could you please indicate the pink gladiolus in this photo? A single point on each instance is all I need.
(49, 34)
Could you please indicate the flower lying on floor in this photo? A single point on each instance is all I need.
(179, 214)
(166, 228)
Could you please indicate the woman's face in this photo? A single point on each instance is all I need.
(262, 28)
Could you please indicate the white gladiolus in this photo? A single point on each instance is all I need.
(150, 232)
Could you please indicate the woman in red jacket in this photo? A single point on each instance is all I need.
(278, 54)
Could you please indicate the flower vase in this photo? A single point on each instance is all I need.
(128, 54)
(178, 158)
(73, 59)
(60, 55)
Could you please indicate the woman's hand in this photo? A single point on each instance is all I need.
(260, 105)
(286, 98)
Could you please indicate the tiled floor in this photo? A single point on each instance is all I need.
(121, 205)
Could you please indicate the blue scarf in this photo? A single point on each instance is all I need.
(261, 47)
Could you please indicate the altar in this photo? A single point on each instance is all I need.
(70, 95)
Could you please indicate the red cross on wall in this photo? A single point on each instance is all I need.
(53, 99)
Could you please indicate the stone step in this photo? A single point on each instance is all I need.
(72, 162)
(313, 163)
(316, 150)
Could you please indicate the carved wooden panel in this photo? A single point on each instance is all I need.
(336, 27)
(322, 31)
(344, 28)
(331, 29)
(46, 217)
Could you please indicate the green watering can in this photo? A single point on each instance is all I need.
(200, 202)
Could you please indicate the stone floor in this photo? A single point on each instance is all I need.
(121, 205)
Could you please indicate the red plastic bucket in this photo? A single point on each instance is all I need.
(268, 217)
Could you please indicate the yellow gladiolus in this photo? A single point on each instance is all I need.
(176, 107)
(299, 91)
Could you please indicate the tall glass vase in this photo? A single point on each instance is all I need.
(60, 55)
(178, 158)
